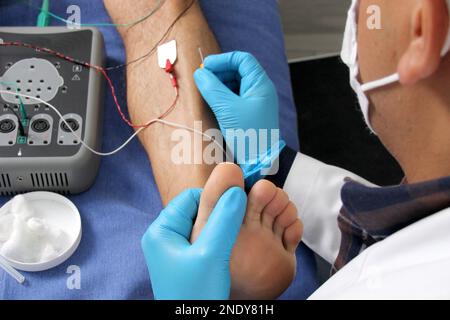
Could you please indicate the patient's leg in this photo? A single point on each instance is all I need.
(263, 262)
(150, 92)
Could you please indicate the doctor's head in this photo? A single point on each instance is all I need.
(397, 52)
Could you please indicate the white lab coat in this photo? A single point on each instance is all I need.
(413, 263)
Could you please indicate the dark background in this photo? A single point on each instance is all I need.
(331, 125)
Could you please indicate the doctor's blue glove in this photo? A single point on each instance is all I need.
(254, 107)
(180, 270)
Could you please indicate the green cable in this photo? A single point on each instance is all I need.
(23, 112)
(23, 118)
(44, 16)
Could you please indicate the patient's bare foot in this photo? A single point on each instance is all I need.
(263, 262)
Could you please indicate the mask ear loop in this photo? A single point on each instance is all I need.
(396, 77)
(380, 83)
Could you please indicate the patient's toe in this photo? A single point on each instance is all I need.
(292, 236)
(224, 177)
(262, 193)
(285, 219)
(275, 208)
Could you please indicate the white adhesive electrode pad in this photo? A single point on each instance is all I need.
(39, 231)
(167, 51)
(33, 77)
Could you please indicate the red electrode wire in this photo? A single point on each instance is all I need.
(169, 70)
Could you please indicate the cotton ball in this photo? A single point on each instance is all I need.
(58, 239)
(23, 245)
(20, 207)
(27, 238)
(37, 226)
(6, 226)
(49, 253)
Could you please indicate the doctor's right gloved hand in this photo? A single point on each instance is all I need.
(180, 270)
(254, 107)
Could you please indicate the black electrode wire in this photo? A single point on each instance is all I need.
(112, 68)
(124, 65)
(21, 128)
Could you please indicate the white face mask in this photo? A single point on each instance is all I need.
(349, 55)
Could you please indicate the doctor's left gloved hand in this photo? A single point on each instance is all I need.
(180, 270)
(254, 108)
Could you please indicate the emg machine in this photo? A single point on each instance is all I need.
(37, 149)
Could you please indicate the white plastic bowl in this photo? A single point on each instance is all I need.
(59, 212)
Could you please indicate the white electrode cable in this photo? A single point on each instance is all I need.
(11, 271)
(70, 127)
(173, 124)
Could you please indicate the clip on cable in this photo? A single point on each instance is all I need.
(167, 56)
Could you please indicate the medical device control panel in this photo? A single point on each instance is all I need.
(38, 150)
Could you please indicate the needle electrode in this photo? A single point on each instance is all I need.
(202, 57)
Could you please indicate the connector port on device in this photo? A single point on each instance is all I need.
(40, 125)
(74, 125)
(7, 126)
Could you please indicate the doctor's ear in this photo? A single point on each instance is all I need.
(428, 32)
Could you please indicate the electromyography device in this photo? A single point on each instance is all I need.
(38, 151)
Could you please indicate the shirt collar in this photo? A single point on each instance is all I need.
(399, 205)
(371, 214)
